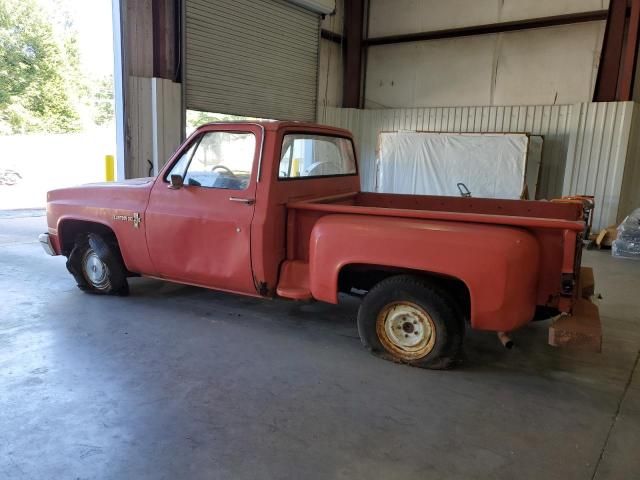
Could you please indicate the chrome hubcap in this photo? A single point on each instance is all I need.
(406, 330)
(95, 270)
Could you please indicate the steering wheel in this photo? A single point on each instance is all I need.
(314, 168)
(222, 167)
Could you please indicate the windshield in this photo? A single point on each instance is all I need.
(305, 155)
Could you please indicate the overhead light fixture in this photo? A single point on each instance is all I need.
(323, 7)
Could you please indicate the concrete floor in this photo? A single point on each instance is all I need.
(180, 382)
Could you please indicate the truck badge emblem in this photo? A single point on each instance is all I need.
(135, 218)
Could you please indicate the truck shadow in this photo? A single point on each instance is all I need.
(482, 353)
(482, 350)
(286, 313)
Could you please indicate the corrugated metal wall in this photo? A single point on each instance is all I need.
(630, 190)
(597, 153)
(593, 136)
(550, 121)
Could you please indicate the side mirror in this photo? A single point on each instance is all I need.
(176, 182)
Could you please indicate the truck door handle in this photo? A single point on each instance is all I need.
(248, 201)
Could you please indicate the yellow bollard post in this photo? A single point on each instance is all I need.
(109, 168)
(295, 167)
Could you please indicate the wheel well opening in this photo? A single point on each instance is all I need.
(360, 278)
(70, 229)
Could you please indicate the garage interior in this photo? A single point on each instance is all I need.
(178, 381)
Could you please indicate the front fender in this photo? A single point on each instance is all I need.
(499, 265)
(112, 206)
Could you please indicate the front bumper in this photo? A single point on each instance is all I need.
(47, 246)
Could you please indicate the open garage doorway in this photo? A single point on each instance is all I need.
(56, 106)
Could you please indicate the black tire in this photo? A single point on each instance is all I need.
(402, 306)
(94, 249)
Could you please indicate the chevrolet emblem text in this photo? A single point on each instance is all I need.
(135, 218)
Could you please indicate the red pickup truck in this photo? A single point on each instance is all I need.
(274, 209)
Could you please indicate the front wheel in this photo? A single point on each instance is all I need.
(97, 266)
(405, 319)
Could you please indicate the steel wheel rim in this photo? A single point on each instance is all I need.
(95, 270)
(406, 330)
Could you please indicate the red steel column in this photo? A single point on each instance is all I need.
(630, 54)
(352, 68)
(166, 46)
(609, 69)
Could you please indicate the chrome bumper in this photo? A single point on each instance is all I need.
(45, 241)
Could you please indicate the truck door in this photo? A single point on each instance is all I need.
(199, 233)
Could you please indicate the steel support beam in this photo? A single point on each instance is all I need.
(491, 28)
(353, 44)
(608, 72)
(331, 36)
(166, 44)
(630, 56)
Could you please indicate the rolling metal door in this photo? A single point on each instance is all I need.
(251, 58)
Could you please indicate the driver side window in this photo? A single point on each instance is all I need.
(218, 160)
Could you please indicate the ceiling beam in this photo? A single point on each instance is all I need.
(331, 36)
(500, 27)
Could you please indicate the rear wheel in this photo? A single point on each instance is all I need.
(405, 319)
(97, 266)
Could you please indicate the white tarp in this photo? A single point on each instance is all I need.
(490, 165)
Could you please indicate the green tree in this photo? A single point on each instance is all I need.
(103, 103)
(35, 80)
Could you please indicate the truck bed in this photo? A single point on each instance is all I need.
(556, 227)
(523, 213)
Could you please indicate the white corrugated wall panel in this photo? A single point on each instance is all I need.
(597, 155)
(549, 121)
(630, 191)
(590, 139)
(257, 59)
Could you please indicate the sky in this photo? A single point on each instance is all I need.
(94, 24)
(93, 21)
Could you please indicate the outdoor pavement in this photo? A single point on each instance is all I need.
(180, 382)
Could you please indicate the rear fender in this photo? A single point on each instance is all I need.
(499, 265)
